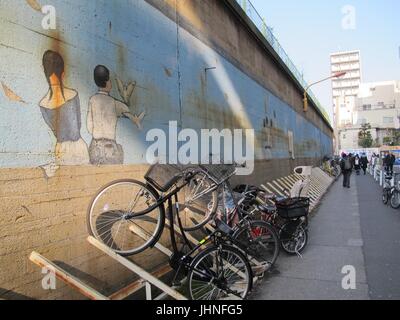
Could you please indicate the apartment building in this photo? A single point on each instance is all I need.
(345, 90)
(377, 103)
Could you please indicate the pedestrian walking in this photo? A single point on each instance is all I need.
(346, 164)
(364, 163)
(388, 163)
(357, 164)
(385, 160)
(374, 160)
(392, 161)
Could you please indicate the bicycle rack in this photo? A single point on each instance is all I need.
(66, 277)
(141, 233)
(147, 280)
(319, 183)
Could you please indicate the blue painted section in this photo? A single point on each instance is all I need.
(138, 43)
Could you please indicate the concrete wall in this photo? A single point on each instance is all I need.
(45, 186)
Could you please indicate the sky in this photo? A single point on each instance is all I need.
(310, 30)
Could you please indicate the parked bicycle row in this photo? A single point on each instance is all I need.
(391, 190)
(331, 166)
(244, 227)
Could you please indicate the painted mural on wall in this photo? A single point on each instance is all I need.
(61, 111)
(103, 114)
(81, 125)
(10, 94)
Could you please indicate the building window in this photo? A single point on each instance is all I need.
(388, 120)
(344, 136)
(362, 121)
(366, 107)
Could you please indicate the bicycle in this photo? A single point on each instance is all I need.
(142, 206)
(288, 215)
(332, 168)
(391, 193)
(388, 189)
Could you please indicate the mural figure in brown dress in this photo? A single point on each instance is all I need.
(61, 111)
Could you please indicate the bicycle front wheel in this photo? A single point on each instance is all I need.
(220, 273)
(259, 240)
(109, 217)
(395, 200)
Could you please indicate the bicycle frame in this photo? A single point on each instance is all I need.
(215, 236)
(178, 188)
(272, 216)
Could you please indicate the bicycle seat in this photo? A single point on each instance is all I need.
(266, 208)
(388, 177)
(267, 196)
(279, 199)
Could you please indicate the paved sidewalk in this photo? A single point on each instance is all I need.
(335, 242)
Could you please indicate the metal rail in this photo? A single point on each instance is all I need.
(267, 32)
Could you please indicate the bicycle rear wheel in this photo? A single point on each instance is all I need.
(197, 202)
(385, 196)
(109, 217)
(259, 240)
(220, 273)
(294, 237)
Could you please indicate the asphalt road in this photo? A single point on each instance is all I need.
(380, 227)
(351, 228)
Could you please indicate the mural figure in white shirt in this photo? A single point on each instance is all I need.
(104, 112)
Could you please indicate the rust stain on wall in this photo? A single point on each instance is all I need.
(34, 5)
(167, 72)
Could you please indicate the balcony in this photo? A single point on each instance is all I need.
(344, 59)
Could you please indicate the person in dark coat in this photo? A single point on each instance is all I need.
(346, 164)
(357, 164)
(392, 160)
(388, 163)
(364, 163)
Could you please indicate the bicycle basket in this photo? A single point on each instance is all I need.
(163, 176)
(293, 208)
(220, 172)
